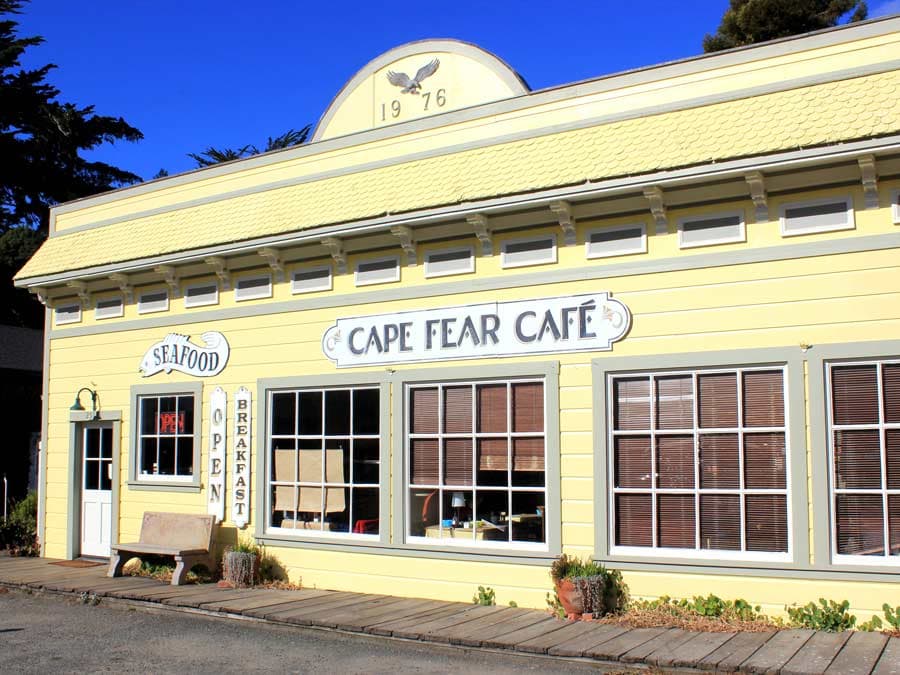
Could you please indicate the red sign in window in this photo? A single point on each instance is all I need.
(171, 422)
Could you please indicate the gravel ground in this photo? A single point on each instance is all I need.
(58, 634)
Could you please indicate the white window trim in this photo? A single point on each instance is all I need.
(846, 200)
(76, 318)
(895, 206)
(144, 310)
(326, 286)
(189, 302)
(256, 294)
(701, 553)
(473, 543)
(642, 248)
(506, 264)
(301, 534)
(118, 313)
(470, 267)
(394, 277)
(742, 237)
(843, 558)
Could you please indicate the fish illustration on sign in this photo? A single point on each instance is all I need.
(177, 352)
(414, 85)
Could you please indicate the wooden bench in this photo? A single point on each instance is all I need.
(185, 537)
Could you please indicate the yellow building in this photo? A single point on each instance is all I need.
(652, 318)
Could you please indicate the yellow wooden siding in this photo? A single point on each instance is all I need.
(829, 113)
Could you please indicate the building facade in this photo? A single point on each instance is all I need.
(651, 318)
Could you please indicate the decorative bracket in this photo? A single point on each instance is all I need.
(563, 212)
(869, 175)
(404, 234)
(336, 248)
(83, 293)
(170, 276)
(479, 223)
(124, 286)
(757, 183)
(273, 257)
(41, 294)
(220, 269)
(658, 208)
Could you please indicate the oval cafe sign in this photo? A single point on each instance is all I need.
(572, 323)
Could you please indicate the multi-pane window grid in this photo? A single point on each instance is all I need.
(345, 424)
(97, 467)
(864, 440)
(523, 497)
(731, 493)
(167, 437)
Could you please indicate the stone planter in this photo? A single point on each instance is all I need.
(240, 569)
(570, 598)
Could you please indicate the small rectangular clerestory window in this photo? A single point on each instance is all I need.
(378, 271)
(153, 301)
(199, 295)
(821, 215)
(721, 228)
(109, 308)
(67, 314)
(253, 288)
(311, 279)
(530, 251)
(607, 242)
(447, 261)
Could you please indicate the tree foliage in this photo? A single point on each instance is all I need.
(288, 139)
(747, 22)
(41, 143)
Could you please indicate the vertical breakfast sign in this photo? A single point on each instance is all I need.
(240, 492)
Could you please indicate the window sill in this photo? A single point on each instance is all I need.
(163, 486)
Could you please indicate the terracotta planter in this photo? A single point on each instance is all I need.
(240, 569)
(569, 598)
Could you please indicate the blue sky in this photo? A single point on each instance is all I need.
(195, 73)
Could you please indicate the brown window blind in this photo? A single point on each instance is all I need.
(675, 402)
(631, 401)
(492, 409)
(528, 454)
(493, 454)
(741, 465)
(865, 451)
(458, 410)
(424, 460)
(634, 520)
(457, 461)
(424, 411)
(718, 400)
(528, 407)
(764, 398)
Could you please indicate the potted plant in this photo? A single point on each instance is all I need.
(585, 587)
(240, 564)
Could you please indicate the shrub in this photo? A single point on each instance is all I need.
(485, 596)
(827, 615)
(892, 616)
(602, 591)
(18, 532)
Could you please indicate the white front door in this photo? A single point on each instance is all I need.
(96, 489)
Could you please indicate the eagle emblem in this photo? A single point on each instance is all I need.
(414, 85)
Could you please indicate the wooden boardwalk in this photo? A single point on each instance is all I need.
(791, 652)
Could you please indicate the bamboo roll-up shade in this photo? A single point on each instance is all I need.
(718, 406)
(283, 470)
(284, 498)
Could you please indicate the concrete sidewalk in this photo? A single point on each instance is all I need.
(506, 628)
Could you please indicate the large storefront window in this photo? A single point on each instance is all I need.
(864, 434)
(699, 464)
(166, 437)
(477, 463)
(324, 460)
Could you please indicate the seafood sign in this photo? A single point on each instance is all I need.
(177, 352)
(546, 325)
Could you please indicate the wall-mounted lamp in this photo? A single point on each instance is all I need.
(77, 405)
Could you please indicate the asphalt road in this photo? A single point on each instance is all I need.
(58, 634)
